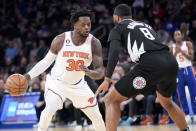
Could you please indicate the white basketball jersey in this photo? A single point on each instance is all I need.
(70, 56)
(183, 62)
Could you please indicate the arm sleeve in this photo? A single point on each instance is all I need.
(42, 65)
(114, 35)
(113, 57)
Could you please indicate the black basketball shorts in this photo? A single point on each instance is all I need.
(156, 69)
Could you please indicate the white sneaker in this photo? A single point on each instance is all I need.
(35, 125)
(51, 125)
(194, 119)
(188, 119)
(91, 127)
(78, 127)
(72, 124)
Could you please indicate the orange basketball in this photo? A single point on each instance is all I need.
(16, 84)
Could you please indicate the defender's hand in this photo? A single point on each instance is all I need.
(103, 87)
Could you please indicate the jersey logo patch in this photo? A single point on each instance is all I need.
(68, 43)
(139, 82)
(90, 100)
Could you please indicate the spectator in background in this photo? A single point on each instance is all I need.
(157, 24)
(21, 69)
(2, 90)
(11, 50)
(192, 33)
(120, 70)
(10, 67)
(137, 109)
(34, 50)
(31, 22)
(167, 40)
(151, 108)
(35, 87)
(171, 25)
(29, 41)
(31, 63)
(138, 5)
(185, 32)
(162, 34)
(157, 10)
(2, 51)
(42, 50)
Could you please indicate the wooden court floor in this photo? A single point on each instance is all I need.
(123, 128)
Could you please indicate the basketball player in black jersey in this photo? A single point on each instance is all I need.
(155, 66)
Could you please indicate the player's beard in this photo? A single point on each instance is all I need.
(84, 35)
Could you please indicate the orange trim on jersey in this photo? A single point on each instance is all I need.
(56, 94)
(87, 106)
(64, 40)
(74, 42)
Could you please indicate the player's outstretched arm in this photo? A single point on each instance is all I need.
(97, 72)
(112, 62)
(42, 65)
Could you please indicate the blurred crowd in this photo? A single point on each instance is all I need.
(28, 27)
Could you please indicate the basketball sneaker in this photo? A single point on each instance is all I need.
(91, 127)
(78, 127)
(147, 121)
(188, 119)
(164, 120)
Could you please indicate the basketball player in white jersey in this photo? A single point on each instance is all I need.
(183, 51)
(72, 52)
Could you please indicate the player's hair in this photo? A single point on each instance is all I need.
(75, 14)
(123, 10)
(177, 30)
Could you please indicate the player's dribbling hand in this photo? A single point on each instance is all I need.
(27, 76)
(103, 87)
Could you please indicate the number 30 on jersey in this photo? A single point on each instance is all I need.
(74, 65)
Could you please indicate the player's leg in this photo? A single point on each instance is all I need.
(181, 91)
(192, 88)
(112, 102)
(95, 116)
(53, 103)
(174, 111)
(82, 97)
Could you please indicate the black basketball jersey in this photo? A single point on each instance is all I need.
(137, 37)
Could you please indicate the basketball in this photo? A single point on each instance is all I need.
(16, 84)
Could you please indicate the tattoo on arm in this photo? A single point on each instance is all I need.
(57, 43)
(97, 73)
